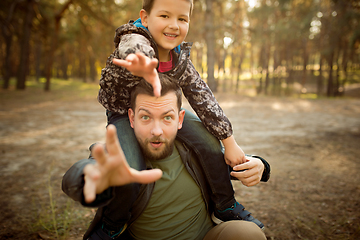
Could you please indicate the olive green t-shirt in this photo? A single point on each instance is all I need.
(176, 209)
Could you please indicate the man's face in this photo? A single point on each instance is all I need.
(155, 122)
(168, 23)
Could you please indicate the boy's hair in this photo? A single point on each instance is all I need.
(148, 4)
(167, 85)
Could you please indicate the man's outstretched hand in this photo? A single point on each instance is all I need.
(111, 168)
(142, 66)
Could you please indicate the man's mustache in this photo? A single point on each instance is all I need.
(157, 139)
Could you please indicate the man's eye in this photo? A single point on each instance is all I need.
(145, 118)
(183, 20)
(167, 118)
(164, 16)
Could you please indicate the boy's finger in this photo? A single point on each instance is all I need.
(132, 58)
(157, 89)
(121, 63)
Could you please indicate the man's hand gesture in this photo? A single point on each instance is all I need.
(111, 168)
(142, 66)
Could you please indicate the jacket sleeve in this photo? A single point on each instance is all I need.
(266, 173)
(117, 82)
(204, 103)
(73, 185)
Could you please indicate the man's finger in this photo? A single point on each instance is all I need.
(146, 176)
(99, 154)
(89, 186)
(242, 166)
(112, 141)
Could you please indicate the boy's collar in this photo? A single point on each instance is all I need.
(138, 23)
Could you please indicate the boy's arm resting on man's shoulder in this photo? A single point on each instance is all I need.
(73, 185)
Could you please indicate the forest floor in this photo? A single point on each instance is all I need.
(313, 146)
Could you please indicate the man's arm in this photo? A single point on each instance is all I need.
(95, 178)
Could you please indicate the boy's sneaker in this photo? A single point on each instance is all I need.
(235, 212)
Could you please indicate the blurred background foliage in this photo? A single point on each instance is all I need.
(272, 47)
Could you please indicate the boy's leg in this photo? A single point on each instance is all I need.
(127, 139)
(211, 159)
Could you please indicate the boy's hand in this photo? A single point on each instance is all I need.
(111, 168)
(254, 170)
(233, 154)
(142, 66)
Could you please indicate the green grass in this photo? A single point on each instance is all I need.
(67, 90)
(57, 216)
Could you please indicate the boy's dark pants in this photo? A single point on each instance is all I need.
(207, 148)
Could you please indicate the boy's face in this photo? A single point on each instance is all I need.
(168, 23)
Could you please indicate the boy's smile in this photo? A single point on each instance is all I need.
(168, 23)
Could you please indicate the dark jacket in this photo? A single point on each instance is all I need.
(73, 184)
(116, 82)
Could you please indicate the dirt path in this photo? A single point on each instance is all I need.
(313, 147)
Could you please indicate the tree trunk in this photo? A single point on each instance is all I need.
(38, 50)
(267, 60)
(93, 74)
(345, 66)
(305, 62)
(210, 45)
(319, 85)
(53, 47)
(241, 59)
(289, 70)
(7, 63)
(7, 34)
(330, 85)
(25, 47)
(261, 66)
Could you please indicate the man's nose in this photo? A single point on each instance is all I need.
(156, 129)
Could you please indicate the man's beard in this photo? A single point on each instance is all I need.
(156, 154)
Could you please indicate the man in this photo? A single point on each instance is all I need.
(177, 206)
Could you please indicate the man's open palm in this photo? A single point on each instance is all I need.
(111, 168)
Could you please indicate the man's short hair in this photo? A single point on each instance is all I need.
(148, 5)
(167, 85)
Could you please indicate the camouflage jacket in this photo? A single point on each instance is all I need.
(116, 82)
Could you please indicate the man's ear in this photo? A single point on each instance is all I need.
(144, 16)
(181, 118)
(131, 117)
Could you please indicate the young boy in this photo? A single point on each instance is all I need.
(158, 36)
